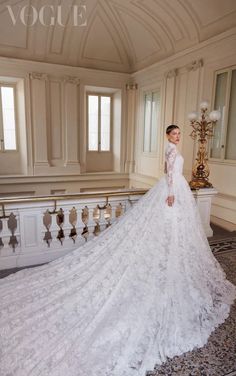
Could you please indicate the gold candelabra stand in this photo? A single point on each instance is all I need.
(203, 127)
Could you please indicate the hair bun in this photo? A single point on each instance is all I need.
(171, 127)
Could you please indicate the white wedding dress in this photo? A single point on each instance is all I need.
(145, 289)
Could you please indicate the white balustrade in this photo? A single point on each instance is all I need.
(41, 236)
(45, 232)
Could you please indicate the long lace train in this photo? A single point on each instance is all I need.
(146, 289)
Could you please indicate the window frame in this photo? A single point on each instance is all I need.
(99, 95)
(3, 150)
(225, 115)
(151, 91)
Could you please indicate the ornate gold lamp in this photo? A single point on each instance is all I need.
(203, 127)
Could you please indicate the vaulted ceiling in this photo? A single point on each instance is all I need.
(119, 35)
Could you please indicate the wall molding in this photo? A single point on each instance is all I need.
(226, 196)
(38, 76)
(224, 207)
(73, 183)
(194, 65)
(4, 180)
(148, 180)
(131, 86)
(171, 73)
(71, 80)
(229, 226)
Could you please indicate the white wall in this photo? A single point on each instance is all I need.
(52, 128)
(185, 79)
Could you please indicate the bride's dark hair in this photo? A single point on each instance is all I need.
(171, 127)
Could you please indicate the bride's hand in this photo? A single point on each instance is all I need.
(170, 200)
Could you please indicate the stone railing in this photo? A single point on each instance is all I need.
(36, 230)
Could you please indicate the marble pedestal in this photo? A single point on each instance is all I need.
(203, 199)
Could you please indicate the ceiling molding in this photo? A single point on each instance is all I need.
(121, 35)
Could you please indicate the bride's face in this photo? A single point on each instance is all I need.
(174, 136)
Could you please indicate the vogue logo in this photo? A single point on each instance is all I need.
(48, 15)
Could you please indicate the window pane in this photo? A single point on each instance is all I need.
(219, 104)
(155, 120)
(231, 128)
(147, 121)
(8, 114)
(105, 123)
(93, 122)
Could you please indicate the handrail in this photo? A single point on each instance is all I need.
(81, 195)
(62, 218)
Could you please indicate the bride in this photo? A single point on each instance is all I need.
(146, 289)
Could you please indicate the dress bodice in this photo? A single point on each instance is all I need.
(174, 164)
(178, 165)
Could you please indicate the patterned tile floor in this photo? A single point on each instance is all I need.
(218, 356)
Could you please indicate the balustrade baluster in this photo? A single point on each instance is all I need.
(91, 223)
(1, 227)
(6, 234)
(113, 211)
(119, 210)
(108, 215)
(96, 218)
(73, 221)
(81, 225)
(47, 221)
(102, 220)
(66, 226)
(54, 232)
(85, 221)
(60, 217)
(12, 226)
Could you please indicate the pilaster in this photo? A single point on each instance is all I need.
(131, 89)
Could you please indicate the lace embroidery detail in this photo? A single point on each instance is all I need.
(171, 153)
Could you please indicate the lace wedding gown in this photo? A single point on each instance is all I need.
(146, 289)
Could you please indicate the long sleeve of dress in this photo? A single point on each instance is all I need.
(171, 153)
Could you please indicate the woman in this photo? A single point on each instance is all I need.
(146, 289)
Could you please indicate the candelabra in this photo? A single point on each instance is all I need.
(203, 127)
